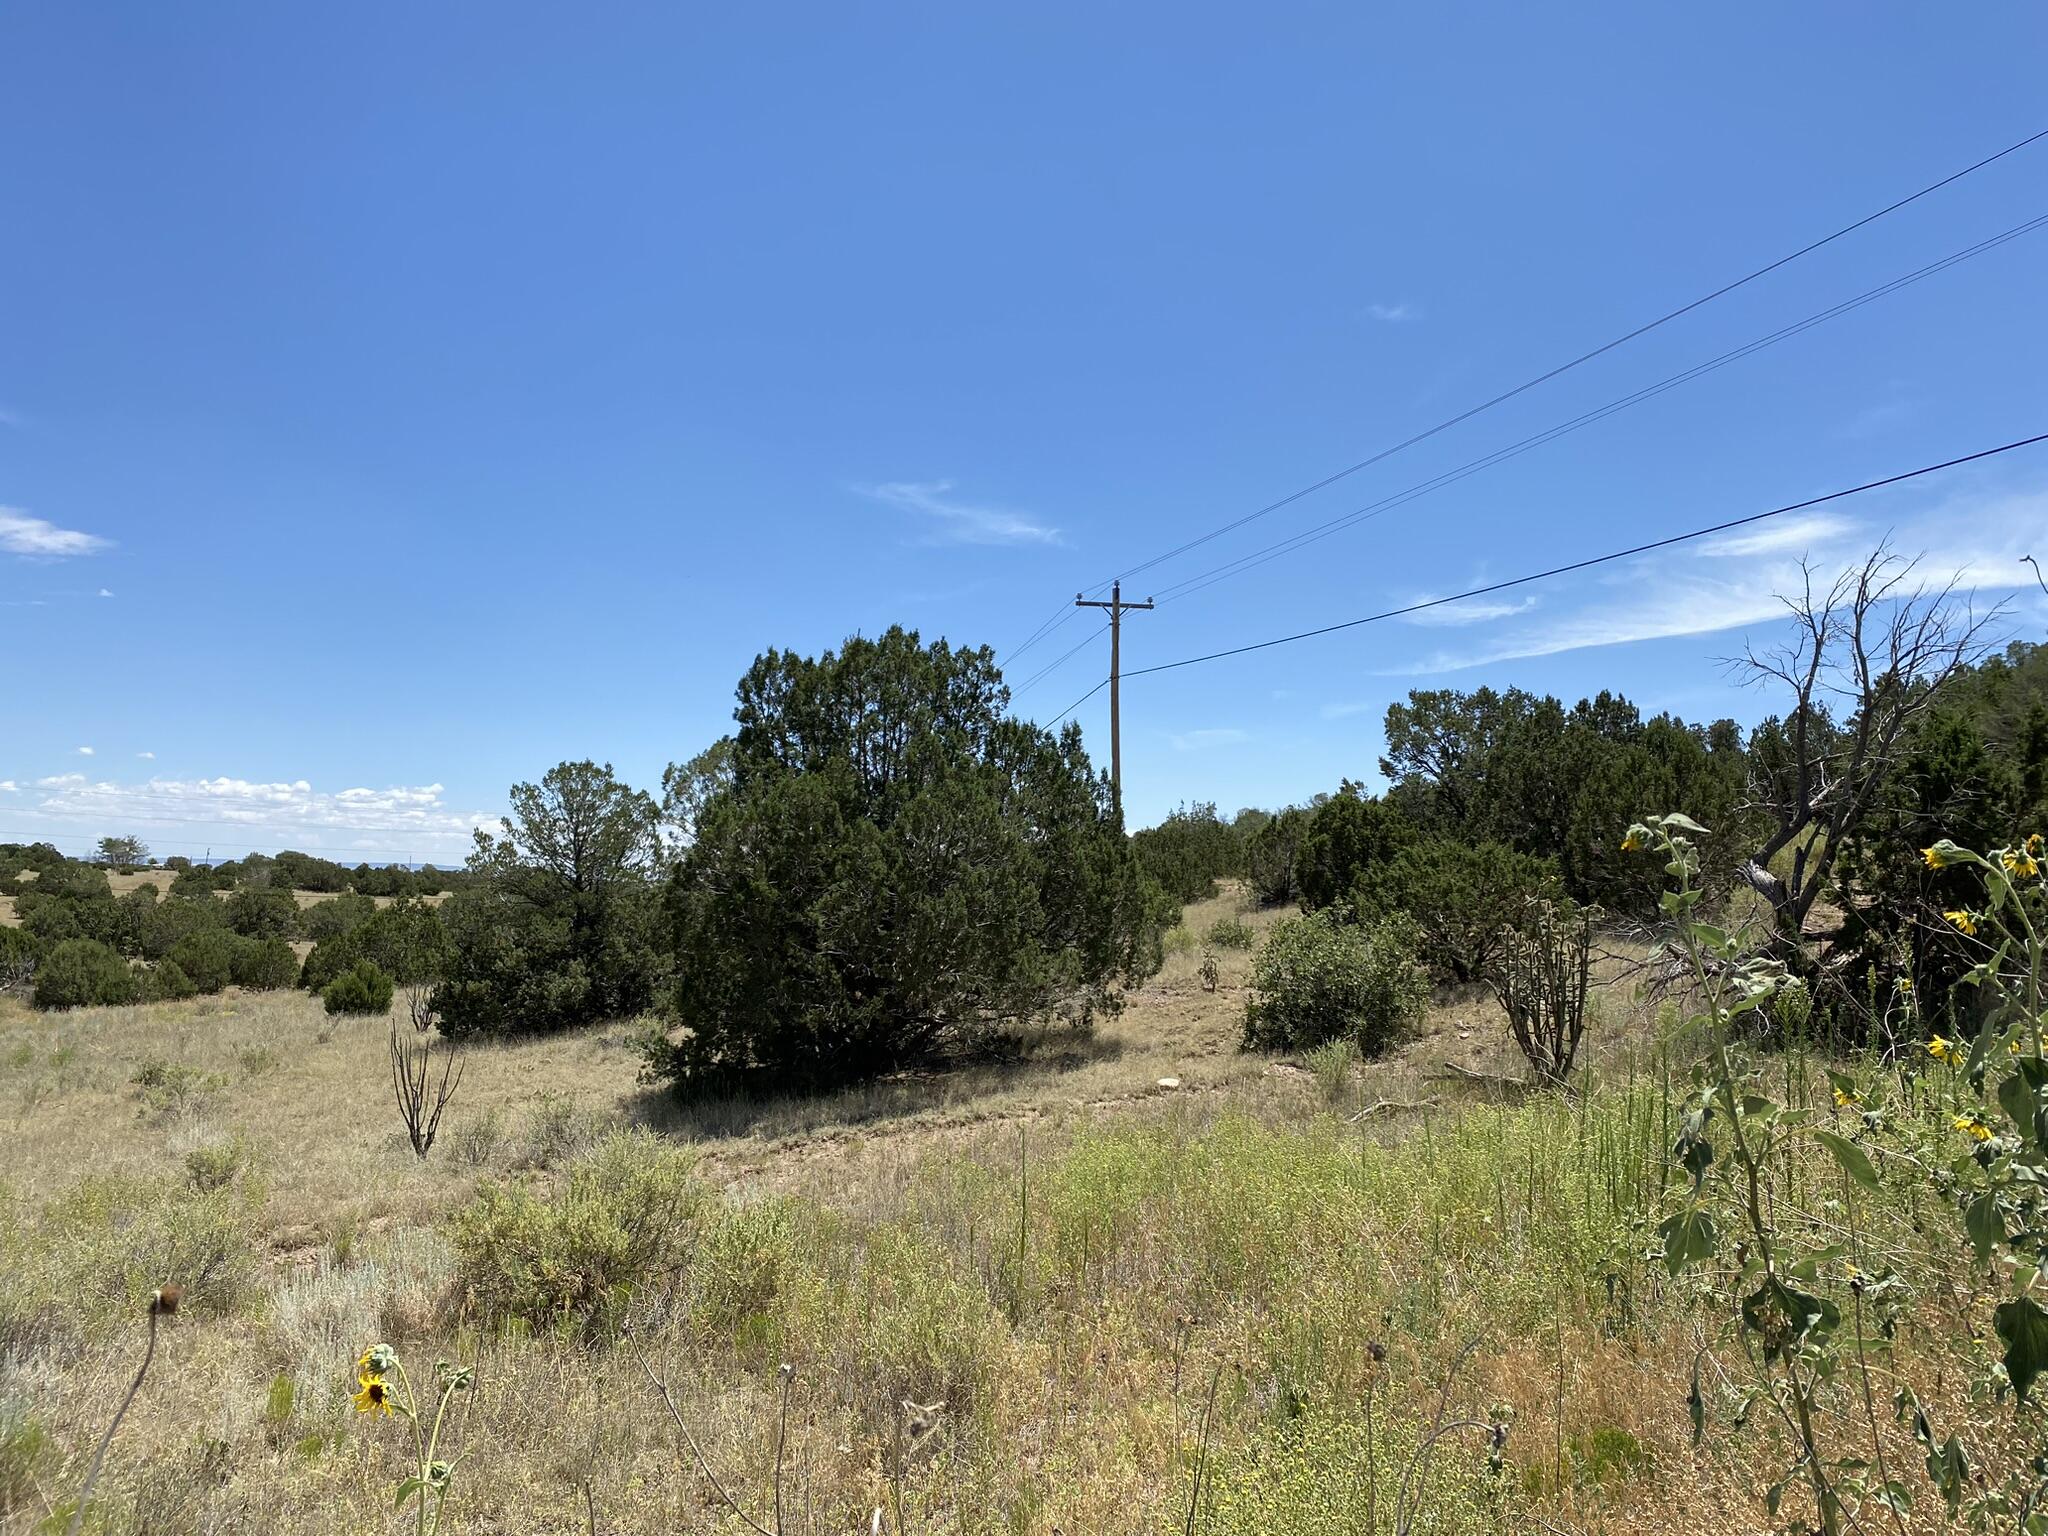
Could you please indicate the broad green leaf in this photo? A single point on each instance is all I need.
(1684, 823)
(1689, 1236)
(2023, 1329)
(1855, 1162)
(1984, 1224)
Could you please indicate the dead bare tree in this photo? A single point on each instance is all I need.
(1869, 655)
(1541, 974)
(422, 1099)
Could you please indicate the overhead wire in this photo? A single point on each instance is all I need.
(1595, 560)
(1566, 367)
(1188, 586)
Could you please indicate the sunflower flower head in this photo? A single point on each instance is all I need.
(1844, 1098)
(1633, 842)
(1935, 858)
(372, 1394)
(1941, 1048)
(2019, 863)
(1963, 922)
(1974, 1126)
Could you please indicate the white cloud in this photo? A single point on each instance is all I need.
(415, 818)
(1471, 611)
(957, 522)
(1216, 736)
(147, 757)
(85, 751)
(105, 593)
(21, 534)
(9, 787)
(1393, 314)
(1978, 540)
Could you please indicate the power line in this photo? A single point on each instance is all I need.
(1053, 621)
(1192, 584)
(1580, 565)
(1053, 666)
(1056, 719)
(1563, 368)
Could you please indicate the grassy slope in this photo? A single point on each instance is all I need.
(1230, 1229)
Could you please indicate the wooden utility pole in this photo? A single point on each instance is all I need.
(1117, 607)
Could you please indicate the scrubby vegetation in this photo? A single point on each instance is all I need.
(1608, 1127)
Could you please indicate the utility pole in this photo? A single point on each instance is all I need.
(1117, 607)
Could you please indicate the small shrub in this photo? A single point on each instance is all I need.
(1332, 1062)
(83, 973)
(1231, 933)
(166, 982)
(264, 965)
(1464, 897)
(625, 1220)
(172, 1090)
(364, 988)
(332, 918)
(1318, 978)
(264, 914)
(1179, 940)
(479, 1139)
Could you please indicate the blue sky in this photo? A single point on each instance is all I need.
(395, 400)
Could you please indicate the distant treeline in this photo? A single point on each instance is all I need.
(1820, 816)
(289, 870)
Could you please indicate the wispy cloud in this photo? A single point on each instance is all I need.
(36, 538)
(953, 521)
(85, 751)
(1214, 736)
(105, 593)
(9, 787)
(1733, 582)
(1473, 611)
(1393, 314)
(403, 817)
(147, 757)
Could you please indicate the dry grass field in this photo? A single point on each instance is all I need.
(1080, 1264)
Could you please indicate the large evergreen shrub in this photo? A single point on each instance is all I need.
(883, 865)
(83, 973)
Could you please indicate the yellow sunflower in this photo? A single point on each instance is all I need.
(1633, 842)
(1973, 1126)
(1935, 858)
(373, 1393)
(1963, 922)
(1941, 1048)
(1844, 1098)
(2019, 864)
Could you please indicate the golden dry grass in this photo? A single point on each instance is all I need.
(1071, 1371)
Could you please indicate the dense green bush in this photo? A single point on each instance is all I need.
(264, 965)
(625, 1221)
(1272, 854)
(165, 982)
(1318, 977)
(83, 973)
(556, 925)
(295, 871)
(406, 940)
(162, 924)
(207, 956)
(1230, 933)
(268, 913)
(363, 988)
(1190, 851)
(884, 864)
(1347, 837)
(1462, 896)
(330, 919)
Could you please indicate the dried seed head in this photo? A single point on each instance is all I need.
(164, 1302)
(1377, 1351)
